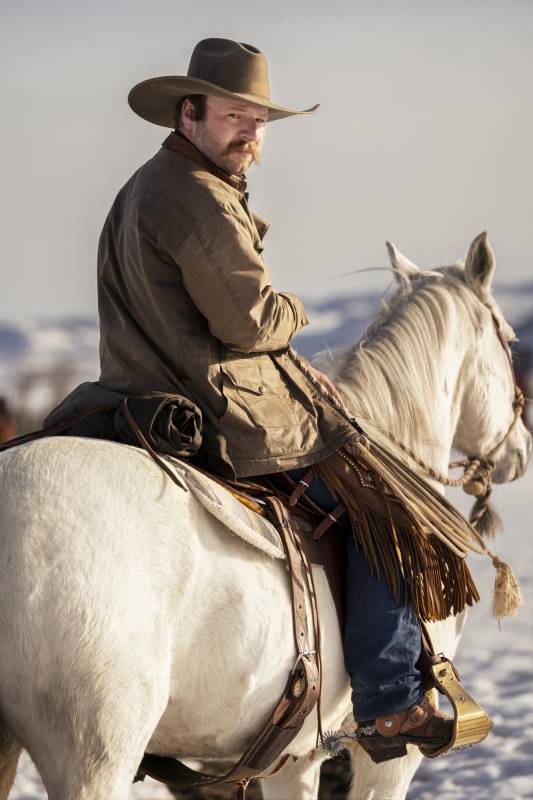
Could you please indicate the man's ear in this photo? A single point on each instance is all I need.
(190, 110)
(188, 115)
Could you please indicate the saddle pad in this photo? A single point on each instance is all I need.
(240, 520)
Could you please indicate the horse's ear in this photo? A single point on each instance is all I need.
(480, 264)
(404, 270)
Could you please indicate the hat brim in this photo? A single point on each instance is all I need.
(155, 99)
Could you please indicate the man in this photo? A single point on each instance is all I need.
(196, 302)
(186, 305)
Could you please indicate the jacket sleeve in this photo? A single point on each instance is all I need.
(229, 284)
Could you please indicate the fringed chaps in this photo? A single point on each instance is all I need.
(397, 532)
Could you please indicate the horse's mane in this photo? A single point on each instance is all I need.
(395, 369)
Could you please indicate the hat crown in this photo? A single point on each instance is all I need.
(234, 66)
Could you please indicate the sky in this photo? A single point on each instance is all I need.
(424, 135)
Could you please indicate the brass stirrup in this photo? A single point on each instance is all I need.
(470, 725)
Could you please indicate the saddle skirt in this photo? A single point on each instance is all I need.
(242, 521)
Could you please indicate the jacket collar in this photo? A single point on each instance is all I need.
(179, 143)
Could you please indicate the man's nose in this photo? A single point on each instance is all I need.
(250, 131)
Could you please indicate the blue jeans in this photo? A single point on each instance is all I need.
(382, 637)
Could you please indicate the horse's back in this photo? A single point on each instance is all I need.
(82, 508)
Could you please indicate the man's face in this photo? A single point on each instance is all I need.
(230, 132)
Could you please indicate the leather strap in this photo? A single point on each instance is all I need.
(301, 487)
(143, 442)
(53, 430)
(328, 521)
(430, 658)
(301, 579)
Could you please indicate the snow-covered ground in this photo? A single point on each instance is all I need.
(496, 667)
(28, 786)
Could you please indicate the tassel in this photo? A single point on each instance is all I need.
(485, 518)
(507, 594)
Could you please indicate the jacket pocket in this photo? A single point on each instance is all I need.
(253, 386)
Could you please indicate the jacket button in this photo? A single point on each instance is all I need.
(261, 389)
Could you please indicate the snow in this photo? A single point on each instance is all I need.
(28, 785)
(495, 667)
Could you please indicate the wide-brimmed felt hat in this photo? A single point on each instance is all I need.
(218, 67)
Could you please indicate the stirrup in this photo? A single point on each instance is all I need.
(470, 724)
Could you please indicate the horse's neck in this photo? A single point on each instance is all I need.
(414, 393)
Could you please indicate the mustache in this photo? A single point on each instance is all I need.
(243, 146)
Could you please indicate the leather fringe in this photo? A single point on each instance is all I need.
(417, 565)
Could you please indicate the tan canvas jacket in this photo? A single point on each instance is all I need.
(186, 305)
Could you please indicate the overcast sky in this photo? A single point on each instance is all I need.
(424, 135)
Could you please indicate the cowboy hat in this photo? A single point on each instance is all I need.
(218, 67)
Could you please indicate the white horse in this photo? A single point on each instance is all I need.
(132, 621)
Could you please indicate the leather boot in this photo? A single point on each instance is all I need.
(423, 724)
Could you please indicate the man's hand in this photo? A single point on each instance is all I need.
(325, 382)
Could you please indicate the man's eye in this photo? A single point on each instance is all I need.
(260, 120)
(235, 116)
